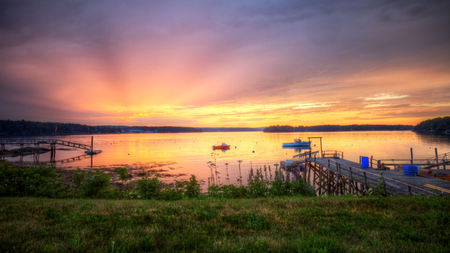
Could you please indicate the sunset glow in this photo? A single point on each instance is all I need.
(228, 63)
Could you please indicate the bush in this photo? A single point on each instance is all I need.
(149, 188)
(37, 181)
(167, 193)
(299, 187)
(257, 186)
(227, 191)
(192, 188)
(78, 178)
(97, 185)
(123, 174)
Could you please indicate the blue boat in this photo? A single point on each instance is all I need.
(298, 143)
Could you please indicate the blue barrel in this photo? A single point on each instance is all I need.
(364, 162)
(410, 170)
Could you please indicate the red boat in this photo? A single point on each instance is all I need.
(221, 147)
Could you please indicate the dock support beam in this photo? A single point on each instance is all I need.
(52, 152)
(437, 158)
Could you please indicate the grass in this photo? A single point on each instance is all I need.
(287, 224)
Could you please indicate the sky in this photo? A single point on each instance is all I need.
(249, 63)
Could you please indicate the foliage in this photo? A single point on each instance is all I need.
(192, 188)
(380, 189)
(97, 185)
(37, 181)
(257, 185)
(149, 188)
(78, 178)
(123, 173)
(436, 125)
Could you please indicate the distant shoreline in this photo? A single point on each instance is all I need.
(9, 128)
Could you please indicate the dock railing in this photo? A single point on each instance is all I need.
(372, 180)
(333, 154)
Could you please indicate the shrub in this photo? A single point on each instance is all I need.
(123, 174)
(299, 187)
(215, 191)
(37, 181)
(168, 193)
(192, 188)
(257, 186)
(96, 185)
(149, 188)
(78, 178)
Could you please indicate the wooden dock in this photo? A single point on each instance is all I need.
(52, 142)
(330, 174)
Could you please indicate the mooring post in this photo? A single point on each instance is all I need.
(92, 145)
(359, 159)
(437, 158)
(412, 156)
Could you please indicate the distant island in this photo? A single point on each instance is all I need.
(336, 128)
(434, 126)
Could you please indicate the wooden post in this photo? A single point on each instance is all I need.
(321, 147)
(328, 181)
(92, 145)
(366, 186)
(320, 180)
(412, 156)
(371, 161)
(378, 164)
(351, 180)
(437, 158)
(359, 159)
(314, 179)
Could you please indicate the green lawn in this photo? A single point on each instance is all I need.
(290, 224)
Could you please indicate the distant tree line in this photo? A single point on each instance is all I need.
(335, 128)
(434, 126)
(31, 128)
(11, 128)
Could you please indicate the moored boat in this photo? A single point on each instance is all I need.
(298, 143)
(224, 146)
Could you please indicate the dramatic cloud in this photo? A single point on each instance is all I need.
(230, 63)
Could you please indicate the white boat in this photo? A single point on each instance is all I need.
(298, 143)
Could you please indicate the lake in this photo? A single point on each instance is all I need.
(176, 156)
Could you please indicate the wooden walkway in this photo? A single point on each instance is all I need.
(39, 141)
(36, 142)
(335, 175)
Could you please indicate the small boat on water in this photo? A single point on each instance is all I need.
(92, 152)
(298, 143)
(221, 147)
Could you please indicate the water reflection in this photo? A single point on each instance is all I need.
(177, 156)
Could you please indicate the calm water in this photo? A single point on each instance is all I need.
(177, 156)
